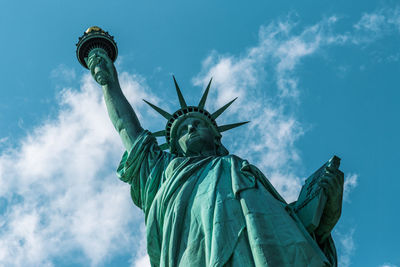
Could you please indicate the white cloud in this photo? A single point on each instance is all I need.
(266, 81)
(346, 247)
(63, 197)
(63, 73)
(59, 184)
(279, 47)
(371, 22)
(373, 25)
(350, 182)
(3, 140)
(388, 265)
(141, 259)
(270, 138)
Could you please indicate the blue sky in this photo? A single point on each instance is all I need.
(316, 78)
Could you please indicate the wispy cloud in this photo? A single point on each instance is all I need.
(265, 80)
(346, 247)
(376, 24)
(59, 185)
(59, 188)
(388, 265)
(63, 73)
(141, 259)
(350, 182)
(3, 141)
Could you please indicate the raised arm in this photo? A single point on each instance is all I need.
(119, 110)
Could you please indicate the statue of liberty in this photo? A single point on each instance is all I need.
(202, 205)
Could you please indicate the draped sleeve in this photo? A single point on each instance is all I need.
(143, 168)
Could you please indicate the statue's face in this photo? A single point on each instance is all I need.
(195, 137)
(97, 63)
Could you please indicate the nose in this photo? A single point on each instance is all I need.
(191, 128)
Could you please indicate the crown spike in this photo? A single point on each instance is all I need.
(227, 127)
(158, 133)
(182, 101)
(221, 110)
(159, 110)
(202, 102)
(164, 146)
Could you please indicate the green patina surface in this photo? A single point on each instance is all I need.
(214, 211)
(203, 206)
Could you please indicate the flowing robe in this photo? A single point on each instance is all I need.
(215, 211)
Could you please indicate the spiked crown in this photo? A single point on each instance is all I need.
(192, 111)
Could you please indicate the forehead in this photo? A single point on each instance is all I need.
(188, 120)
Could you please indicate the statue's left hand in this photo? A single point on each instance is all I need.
(332, 182)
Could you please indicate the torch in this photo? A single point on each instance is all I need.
(95, 38)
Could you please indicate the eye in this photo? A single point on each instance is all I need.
(181, 128)
(197, 123)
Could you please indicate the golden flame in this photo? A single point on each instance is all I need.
(94, 28)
